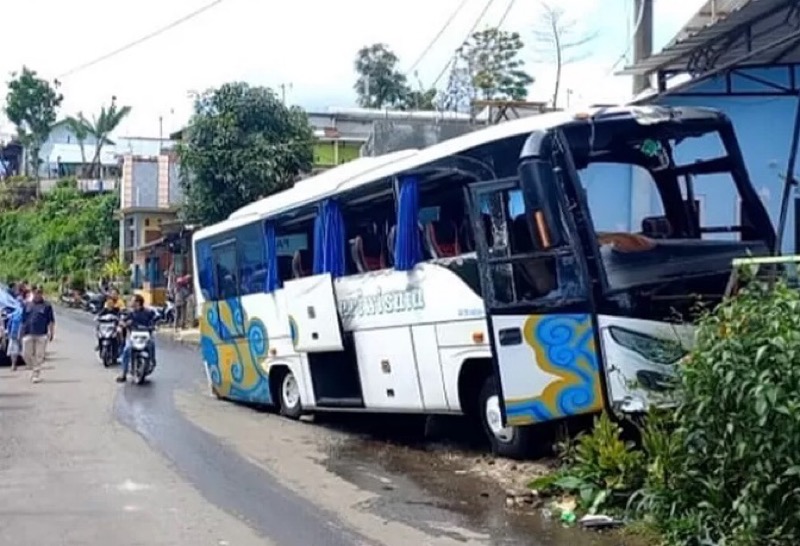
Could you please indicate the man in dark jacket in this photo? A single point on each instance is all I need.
(38, 329)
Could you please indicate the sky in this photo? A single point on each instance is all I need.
(306, 45)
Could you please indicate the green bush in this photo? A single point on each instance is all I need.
(63, 232)
(723, 468)
(601, 469)
(727, 469)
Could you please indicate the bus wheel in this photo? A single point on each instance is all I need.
(511, 442)
(290, 396)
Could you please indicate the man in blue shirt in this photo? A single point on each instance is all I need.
(38, 328)
(138, 317)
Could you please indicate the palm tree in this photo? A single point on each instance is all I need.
(80, 128)
(102, 126)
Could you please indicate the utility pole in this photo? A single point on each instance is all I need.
(642, 40)
(283, 87)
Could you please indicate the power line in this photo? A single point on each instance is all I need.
(631, 38)
(438, 35)
(141, 40)
(469, 34)
(505, 13)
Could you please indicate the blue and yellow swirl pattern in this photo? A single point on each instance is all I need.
(234, 348)
(563, 346)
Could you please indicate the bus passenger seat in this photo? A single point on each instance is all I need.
(285, 268)
(371, 249)
(656, 227)
(442, 239)
(300, 267)
(355, 254)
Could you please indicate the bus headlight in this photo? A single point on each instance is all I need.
(659, 351)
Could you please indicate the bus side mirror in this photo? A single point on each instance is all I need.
(540, 191)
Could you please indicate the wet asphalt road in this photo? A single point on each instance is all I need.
(218, 472)
(268, 476)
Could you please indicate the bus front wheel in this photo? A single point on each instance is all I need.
(290, 396)
(506, 441)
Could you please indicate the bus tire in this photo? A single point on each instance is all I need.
(289, 396)
(510, 442)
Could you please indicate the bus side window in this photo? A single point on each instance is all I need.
(227, 274)
(205, 270)
(367, 225)
(443, 215)
(252, 259)
(294, 254)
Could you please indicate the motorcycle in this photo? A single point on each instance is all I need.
(166, 313)
(93, 302)
(142, 363)
(108, 338)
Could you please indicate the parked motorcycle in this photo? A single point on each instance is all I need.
(165, 314)
(108, 338)
(142, 363)
(71, 299)
(93, 302)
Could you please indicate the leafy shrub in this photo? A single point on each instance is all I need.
(727, 470)
(78, 281)
(60, 234)
(601, 469)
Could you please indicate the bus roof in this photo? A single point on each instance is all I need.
(367, 170)
(330, 178)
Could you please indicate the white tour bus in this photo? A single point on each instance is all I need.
(471, 276)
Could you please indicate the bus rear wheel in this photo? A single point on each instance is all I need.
(289, 392)
(506, 441)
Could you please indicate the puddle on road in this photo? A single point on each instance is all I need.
(406, 477)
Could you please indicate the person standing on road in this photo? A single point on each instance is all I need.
(181, 295)
(14, 330)
(38, 328)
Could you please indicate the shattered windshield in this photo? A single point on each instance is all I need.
(666, 206)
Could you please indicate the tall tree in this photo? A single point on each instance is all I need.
(459, 92)
(380, 83)
(31, 105)
(80, 128)
(421, 98)
(101, 128)
(559, 42)
(242, 144)
(493, 57)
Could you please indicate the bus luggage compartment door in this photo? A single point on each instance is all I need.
(314, 315)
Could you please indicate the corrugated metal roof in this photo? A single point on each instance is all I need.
(715, 23)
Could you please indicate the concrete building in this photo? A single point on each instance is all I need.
(347, 133)
(150, 197)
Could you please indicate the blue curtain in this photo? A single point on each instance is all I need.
(329, 240)
(318, 265)
(407, 247)
(271, 282)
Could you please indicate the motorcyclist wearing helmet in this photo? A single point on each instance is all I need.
(113, 305)
(138, 317)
